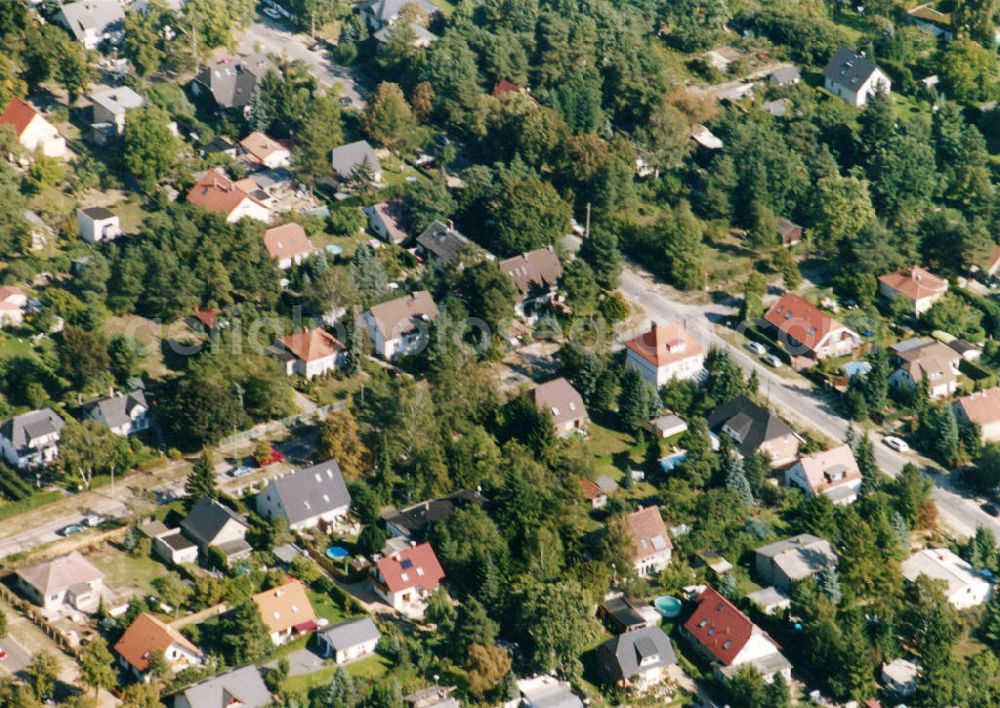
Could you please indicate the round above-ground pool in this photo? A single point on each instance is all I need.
(337, 553)
(668, 606)
(334, 250)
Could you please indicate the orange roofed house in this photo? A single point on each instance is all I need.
(665, 352)
(918, 288)
(834, 473)
(565, 404)
(806, 331)
(147, 636)
(406, 579)
(264, 150)
(32, 130)
(983, 409)
(651, 544)
(286, 611)
(288, 245)
(216, 192)
(310, 353)
(726, 637)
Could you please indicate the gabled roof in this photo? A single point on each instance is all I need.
(559, 398)
(312, 491)
(664, 344)
(216, 192)
(386, 10)
(312, 344)
(398, 317)
(231, 81)
(9, 292)
(285, 606)
(117, 410)
(443, 241)
(287, 241)
(801, 556)
(350, 634)
(416, 519)
(22, 429)
(941, 564)
(936, 362)
(261, 146)
(914, 282)
(849, 69)
(993, 263)
(18, 114)
(754, 424)
(649, 534)
(801, 320)
(207, 518)
(240, 688)
(391, 213)
(830, 468)
(719, 627)
(590, 490)
(147, 635)
(59, 574)
(416, 567)
(638, 650)
(117, 101)
(981, 407)
(98, 16)
(535, 270)
(346, 157)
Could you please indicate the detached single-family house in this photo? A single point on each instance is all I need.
(753, 429)
(918, 288)
(564, 402)
(441, 245)
(785, 76)
(31, 439)
(421, 36)
(622, 614)
(349, 641)
(32, 130)
(384, 13)
(637, 660)
(216, 192)
(307, 497)
(726, 637)
(147, 636)
(806, 331)
(109, 106)
(231, 82)
(933, 362)
(854, 78)
(834, 473)
(124, 414)
(212, 524)
(432, 697)
(784, 563)
(546, 691)
(651, 546)
(288, 245)
(97, 224)
(386, 219)
(400, 327)
(415, 521)
(13, 302)
(595, 496)
(309, 354)
(286, 611)
(789, 233)
(261, 149)
(348, 158)
(406, 579)
(535, 275)
(964, 586)
(932, 21)
(239, 688)
(69, 579)
(983, 409)
(665, 352)
(899, 677)
(93, 21)
(992, 268)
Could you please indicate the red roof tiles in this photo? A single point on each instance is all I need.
(18, 114)
(414, 567)
(719, 627)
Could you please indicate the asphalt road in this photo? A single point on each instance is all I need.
(797, 400)
(18, 657)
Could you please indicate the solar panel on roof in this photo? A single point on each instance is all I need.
(406, 563)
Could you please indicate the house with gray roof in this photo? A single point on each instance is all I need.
(306, 497)
(31, 439)
(243, 687)
(231, 82)
(349, 641)
(422, 37)
(384, 13)
(400, 327)
(70, 579)
(441, 244)
(93, 21)
(347, 158)
(784, 563)
(638, 659)
(111, 104)
(753, 429)
(853, 77)
(213, 524)
(124, 414)
(545, 691)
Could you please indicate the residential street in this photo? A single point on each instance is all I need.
(796, 400)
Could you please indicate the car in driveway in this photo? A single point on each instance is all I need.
(990, 508)
(71, 530)
(272, 12)
(755, 348)
(897, 444)
(772, 361)
(241, 471)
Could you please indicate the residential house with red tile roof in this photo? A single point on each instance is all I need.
(983, 409)
(652, 548)
(406, 579)
(993, 263)
(32, 130)
(311, 353)
(288, 245)
(216, 192)
(806, 331)
(595, 496)
(916, 287)
(726, 637)
(12, 305)
(286, 611)
(147, 636)
(564, 402)
(665, 352)
(261, 149)
(834, 473)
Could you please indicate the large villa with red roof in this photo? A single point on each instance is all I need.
(405, 580)
(806, 331)
(663, 353)
(726, 637)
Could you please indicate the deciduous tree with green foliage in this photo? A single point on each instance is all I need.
(150, 148)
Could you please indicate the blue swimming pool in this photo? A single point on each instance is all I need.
(668, 606)
(337, 553)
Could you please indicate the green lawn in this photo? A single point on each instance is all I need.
(12, 346)
(326, 607)
(374, 667)
(122, 570)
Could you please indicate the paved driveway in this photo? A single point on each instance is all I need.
(18, 657)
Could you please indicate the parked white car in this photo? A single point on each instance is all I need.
(755, 348)
(772, 361)
(897, 444)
